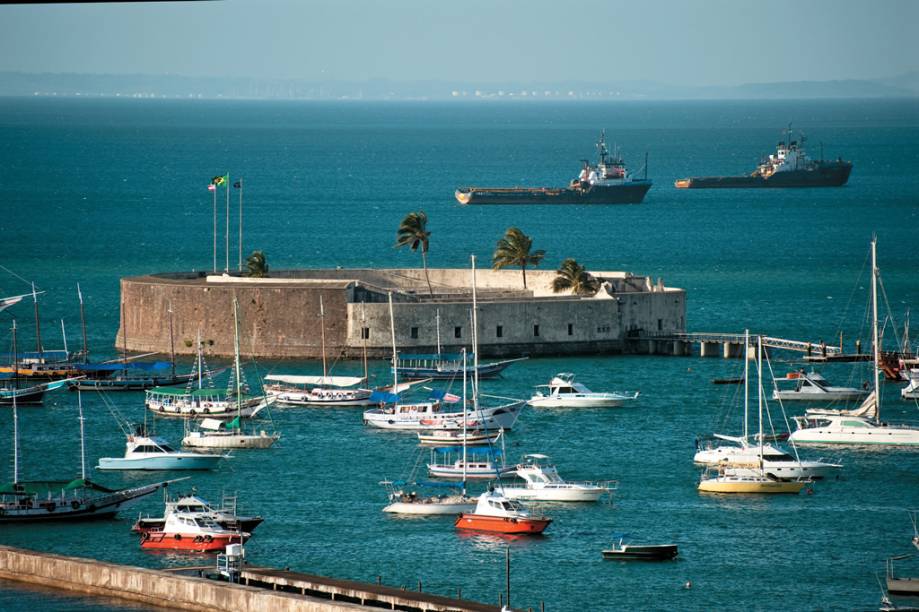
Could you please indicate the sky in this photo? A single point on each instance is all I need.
(704, 42)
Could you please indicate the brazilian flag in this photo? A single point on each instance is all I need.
(220, 180)
(234, 424)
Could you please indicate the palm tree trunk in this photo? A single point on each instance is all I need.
(524, 268)
(424, 264)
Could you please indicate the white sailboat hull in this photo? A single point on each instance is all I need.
(485, 418)
(421, 507)
(873, 435)
(229, 440)
(832, 394)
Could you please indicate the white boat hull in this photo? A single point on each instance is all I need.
(832, 395)
(555, 494)
(503, 417)
(579, 402)
(306, 399)
(218, 440)
(431, 508)
(857, 436)
(187, 461)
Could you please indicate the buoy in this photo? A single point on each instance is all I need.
(688, 585)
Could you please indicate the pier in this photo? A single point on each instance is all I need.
(259, 588)
(731, 346)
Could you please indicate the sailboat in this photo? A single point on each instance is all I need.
(861, 426)
(431, 415)
(738, 452)
(745, 480)
(205, 401)
(23, 501)
(405, 499)
(212, 433)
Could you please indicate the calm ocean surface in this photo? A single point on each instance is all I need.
(92, 190)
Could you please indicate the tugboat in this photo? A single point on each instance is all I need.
(788, 167)
(607, 182)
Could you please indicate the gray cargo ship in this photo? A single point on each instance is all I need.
(606, 182)
(789, 166)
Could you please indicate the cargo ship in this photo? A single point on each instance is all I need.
(606, 182)
(789, 166)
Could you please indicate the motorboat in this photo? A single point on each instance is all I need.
(741, 453)
(911, 391)
(404, 498)
(225, 515)
(564, 392)
(190, 532)
(543, 483)
(212, 433)
(317, 391)
(813, 387)
(622, 551)
(497, 514)
(143, 452)
(862, 426)
(476, 463)
(457, 437)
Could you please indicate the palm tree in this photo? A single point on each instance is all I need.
(413, 233)
(513, 249)
(257, 264)
(575, 277)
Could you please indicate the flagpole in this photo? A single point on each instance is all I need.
(215, 225)
(226, 230)
(240, 225)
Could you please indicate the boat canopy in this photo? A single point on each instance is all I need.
(383, 397)
(326, 381)
(471, 450)
(435, 356)
(147, 366)
(40, 487)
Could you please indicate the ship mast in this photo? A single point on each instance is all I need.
(874, 326)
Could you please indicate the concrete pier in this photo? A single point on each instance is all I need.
(274, 590)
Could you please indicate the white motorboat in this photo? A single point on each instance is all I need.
(225, 515)
(862, 426)
(543, 483)
(739, 453)
(564, 392)
(813, 387)
(496, 513)
(911, 391)
(144, 452)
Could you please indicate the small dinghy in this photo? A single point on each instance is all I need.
(640, 552)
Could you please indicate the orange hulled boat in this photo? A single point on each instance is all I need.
(191, 532)
(497, 514)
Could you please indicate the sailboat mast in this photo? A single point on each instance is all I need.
(15, 411)
(64, 335)
(37, 324)
(82, 322)
(364, 341)
(874, 325)
(83, 435)
(395, 356)
(437, 319)
(746, 384)
(475, 344)
(236, 357)
(759, 379)
(172, 341)
(464, 420)
(322, 335)
(200, 356)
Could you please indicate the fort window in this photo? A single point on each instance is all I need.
(499, 331)
(536, 330)
(660, 325)
(365, 333)
(570, 329)
(414, 332)
(458, 332)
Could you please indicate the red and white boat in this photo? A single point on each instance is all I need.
(498, 514)
(191, 532)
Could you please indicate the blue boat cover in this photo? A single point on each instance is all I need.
(383, 397)
(146, 366)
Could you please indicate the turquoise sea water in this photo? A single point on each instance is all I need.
(92, 190)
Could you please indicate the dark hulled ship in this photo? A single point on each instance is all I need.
(606, 182)
(789, 166)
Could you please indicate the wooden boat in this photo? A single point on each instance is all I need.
(640, 552)
(451, 437)
(497, 514)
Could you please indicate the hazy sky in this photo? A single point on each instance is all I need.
(707, 42)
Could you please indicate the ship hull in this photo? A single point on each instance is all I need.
(630, 193)
(825, 175)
